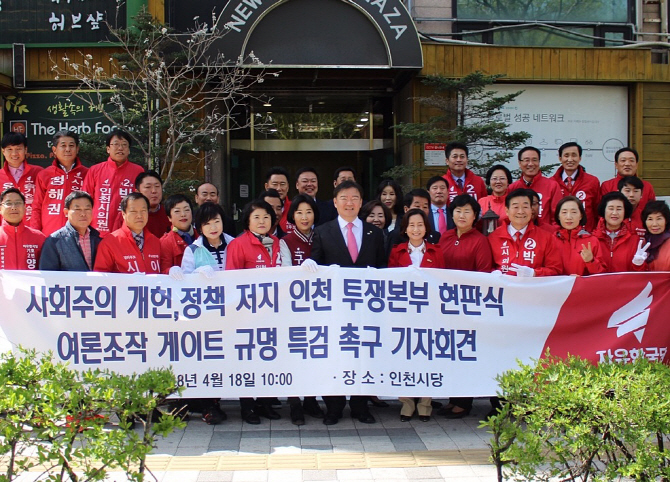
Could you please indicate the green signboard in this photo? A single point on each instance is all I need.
(59, 21)
(40, 114)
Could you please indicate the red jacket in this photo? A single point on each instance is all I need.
(53, 186)
(20, 246)
(570, 243)
(470, 252)
(618, 253)
(432, 258)
(587, 188)
(172, 250)
(158, 223)
(611, 185)
(246, 251)
(283, 221)
(473, 185)
(549, 193)
(26, 185)
(635, 224)
(118, 253)
(108, 185)
(535, 249)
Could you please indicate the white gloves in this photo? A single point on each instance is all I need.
(496, 272)
(206, 271)
(522, 271)
(641, 253)
(310, 265)
(176, 273)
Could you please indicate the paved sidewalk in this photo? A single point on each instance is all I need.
(388, 451)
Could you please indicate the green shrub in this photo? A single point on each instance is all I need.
(567, 419)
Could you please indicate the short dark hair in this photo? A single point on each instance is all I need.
(348, 185)
(206, 213)
(74, 195)
(405, 221)
(615, 196)
(660, 207)
(63, 133)
(250, 207)
(409, 197)
(303, 170)
(570, 144)
(276, 170)
(521, 192)
(143, 175)
(626, 149)
(206, 182)
(118, 133)
(10, 190)
(465, 200)
(435, 179)
(133, 196)
(296, 201)
(634, 181)
(580, 204)
(370, 205)
(455, 145)
(498, 167)
(14, 139)
(270, 193)
(175, 199)
(529, 148)
(341, 169)
(397, 207)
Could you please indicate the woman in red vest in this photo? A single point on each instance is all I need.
(420, 253)
(580, 250)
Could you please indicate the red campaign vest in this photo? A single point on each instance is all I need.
(26, 185)
(53, 186)
(549, 193)
(108, 185)
(587, 189)
(172, 250)
(20, 246)
(473, 185)
(535, 249)
(299, 246)
(118, 253)
(246, 252)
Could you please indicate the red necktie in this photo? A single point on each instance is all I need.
(351, 242)
(441, 221)
(569, 183)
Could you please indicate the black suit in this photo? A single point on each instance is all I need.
(329, 247)
(327, 211)
(447, 213)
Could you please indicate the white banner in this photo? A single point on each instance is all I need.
(284, 332)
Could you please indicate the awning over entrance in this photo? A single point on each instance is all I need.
(312, 33)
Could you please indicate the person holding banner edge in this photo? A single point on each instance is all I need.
(347, 241)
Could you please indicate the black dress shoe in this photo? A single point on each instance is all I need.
(365, 417)
(251, 417)
(435, 404)
(311, 407)
(424, 418)
(297, 415)
(330, 419)
(275, 402)
(405, 418)
(378, 403)
(267, 411)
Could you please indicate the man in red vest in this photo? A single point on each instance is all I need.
(16, 172)
(626, 162)
(460, 179)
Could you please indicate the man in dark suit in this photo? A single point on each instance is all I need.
(307, 182)
(348, 242)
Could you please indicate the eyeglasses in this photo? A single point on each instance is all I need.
(15, 204)
(122, 145)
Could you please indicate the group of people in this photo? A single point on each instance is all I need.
(112, 218)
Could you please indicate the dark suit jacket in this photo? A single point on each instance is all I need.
(327, 211)
(447, 213)
(329, 247)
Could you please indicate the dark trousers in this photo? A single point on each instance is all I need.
(335, 404)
